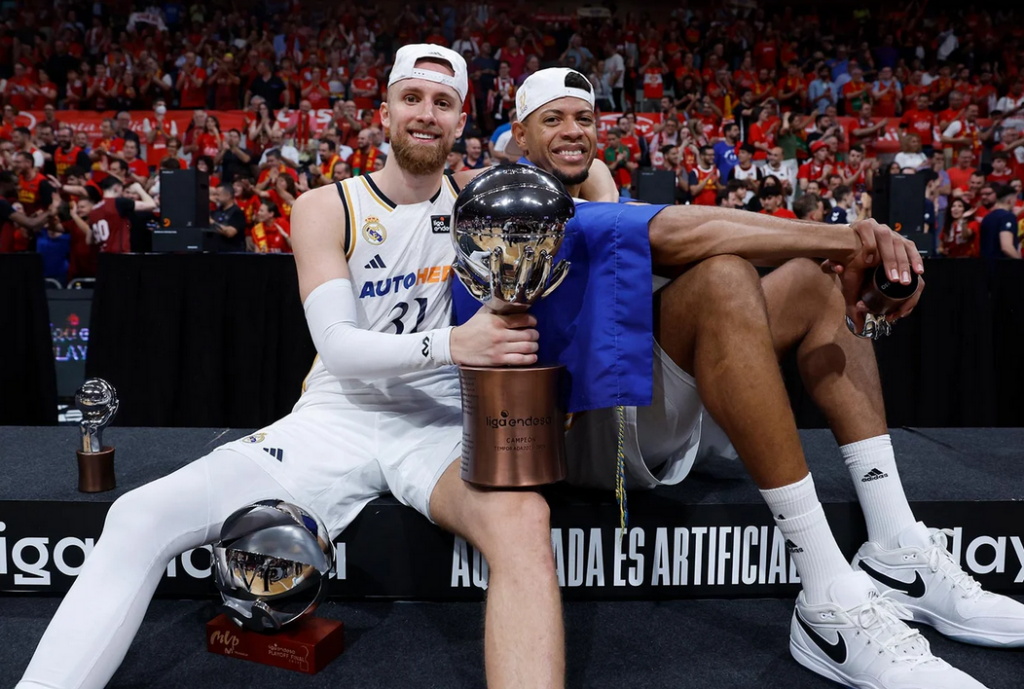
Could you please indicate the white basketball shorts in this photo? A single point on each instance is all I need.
(335, 454)
(661, 442)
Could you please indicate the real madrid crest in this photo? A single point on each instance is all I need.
(254, 438)
(373, 231)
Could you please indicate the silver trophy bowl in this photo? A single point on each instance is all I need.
(507, 226)
(97, 400)
(272, 564)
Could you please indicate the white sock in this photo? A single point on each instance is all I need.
(872, 466)
(792, 500)
(809, 539)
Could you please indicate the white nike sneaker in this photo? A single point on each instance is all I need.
(923, 577)
(859, 640)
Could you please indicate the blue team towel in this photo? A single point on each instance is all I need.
(599, 322)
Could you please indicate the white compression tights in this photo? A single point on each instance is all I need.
(145, 528)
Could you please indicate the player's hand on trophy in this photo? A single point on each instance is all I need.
(877, 243)
(491, 339)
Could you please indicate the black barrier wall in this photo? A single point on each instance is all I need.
(28, 379)
(390, 551)
(221, 340)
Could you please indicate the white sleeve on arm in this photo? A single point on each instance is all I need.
(349, 351)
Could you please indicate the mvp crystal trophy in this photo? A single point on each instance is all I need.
(97, 400)
(272, 567)
(882, 295)
(507, 226)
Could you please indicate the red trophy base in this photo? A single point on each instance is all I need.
(306, 646)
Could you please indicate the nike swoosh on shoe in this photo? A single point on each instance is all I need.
(914, 589)
(835, 651)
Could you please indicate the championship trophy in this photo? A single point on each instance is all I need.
(272, 567)
(882, 295)
(507, 226)
(97, 400)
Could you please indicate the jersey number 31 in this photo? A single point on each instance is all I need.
(402, 308)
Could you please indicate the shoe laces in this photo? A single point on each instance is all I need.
(939, 558)
(879, 619)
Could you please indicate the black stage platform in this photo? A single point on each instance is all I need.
(707, 537)
(968, 479)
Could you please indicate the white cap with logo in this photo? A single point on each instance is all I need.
(409, 55)
(546, 85)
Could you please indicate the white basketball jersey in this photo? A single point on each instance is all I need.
(400, 257)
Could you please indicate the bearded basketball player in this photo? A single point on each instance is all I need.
(380, 411)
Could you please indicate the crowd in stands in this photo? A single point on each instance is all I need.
(803, 111)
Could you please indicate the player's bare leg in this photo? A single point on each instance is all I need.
(713, 323)
(806, 310)
(524, 638)
(840, 374)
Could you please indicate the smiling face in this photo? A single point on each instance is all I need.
(424, 118)
(561, 138)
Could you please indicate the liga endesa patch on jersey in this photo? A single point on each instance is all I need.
(440, 224)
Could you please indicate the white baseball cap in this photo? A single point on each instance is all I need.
(546, 85)
(409, 55)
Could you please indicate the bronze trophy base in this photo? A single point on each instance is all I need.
(307, 645)
(513, 426)
(96, 471)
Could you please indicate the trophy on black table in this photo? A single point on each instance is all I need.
(97, 400)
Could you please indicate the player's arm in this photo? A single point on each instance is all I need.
(599, 185)
(325, 285)
(682, 235)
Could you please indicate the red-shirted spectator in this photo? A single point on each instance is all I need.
(67, 155)
(705, 178)
(763, 133)
(886, 93)
(44, 91)
(271, 233)
(99, 89)
(365, 89)
(962, 235)
(1002, 172)
(227, 85)
(920, 120)
(191, 83)
(817, 169)
(138, 170)
(18, 90)
(960, 174)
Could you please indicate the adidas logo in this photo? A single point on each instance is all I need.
(275, 452)
(377, 262)
(792, 547)
(874, 475)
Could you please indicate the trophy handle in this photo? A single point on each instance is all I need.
(557, 275)
(471, 283)
(495, 261)
(524, 273)
(542, 280)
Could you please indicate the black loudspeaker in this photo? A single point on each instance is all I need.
(656, 186)
(184, 198)
(906, 209)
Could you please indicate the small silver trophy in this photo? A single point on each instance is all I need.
(507, 226)
(97, 400)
